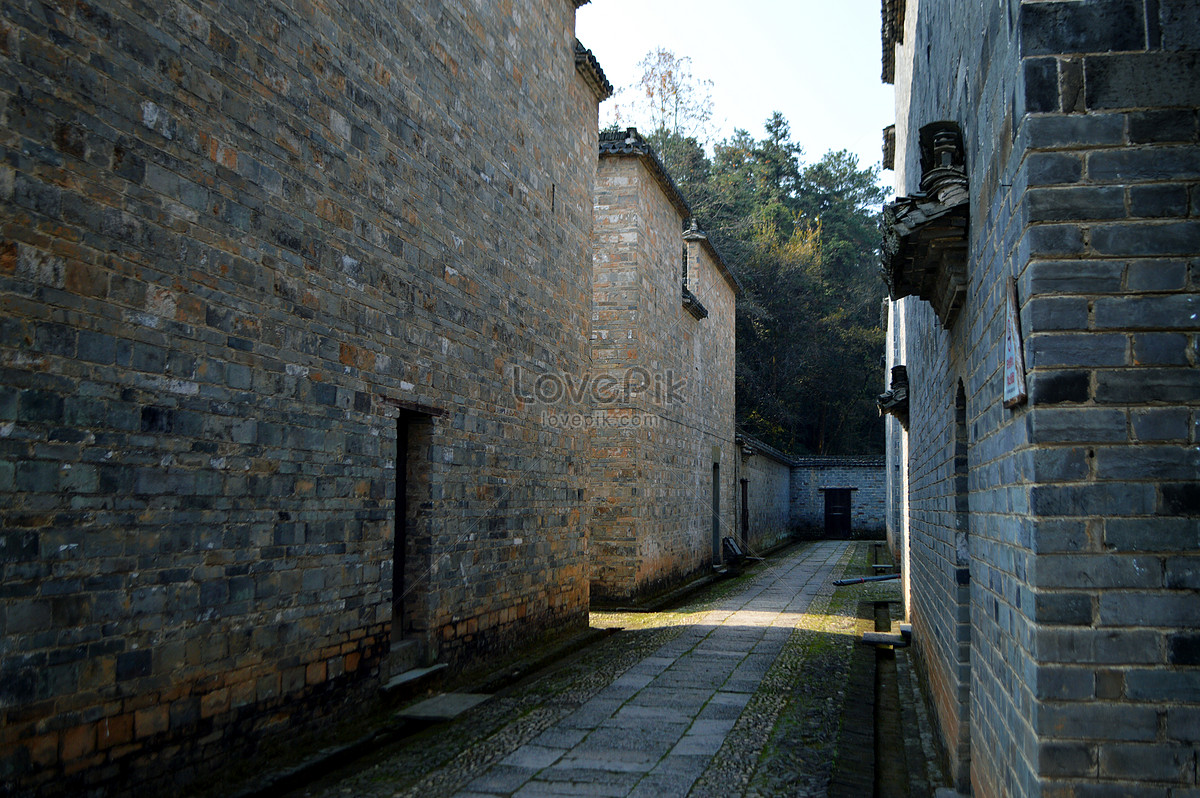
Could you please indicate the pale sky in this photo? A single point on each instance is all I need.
(816, 61)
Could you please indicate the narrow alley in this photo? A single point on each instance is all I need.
(742, 691)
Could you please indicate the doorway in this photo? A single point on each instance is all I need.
(411, 544)
(716, 513)
(837, 512)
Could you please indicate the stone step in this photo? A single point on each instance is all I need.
(411, 677)
(446, 706)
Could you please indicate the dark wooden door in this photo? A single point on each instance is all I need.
(837, 512)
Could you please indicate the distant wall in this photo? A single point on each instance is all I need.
(864, 474)
(768, 491)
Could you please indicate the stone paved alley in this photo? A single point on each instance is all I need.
(739, 692)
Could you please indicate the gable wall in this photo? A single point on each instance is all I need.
(671, 376)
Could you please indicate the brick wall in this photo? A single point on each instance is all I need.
(768, 476)
(238, 243)
(1111, 154)
(1079, 512)
(864, 474)
(895, 458)
(667, 414)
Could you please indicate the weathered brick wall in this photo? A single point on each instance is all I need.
(705, 420)
(672, 394)
(769, 498)
(867, 500)
(1082, 517)
(236, 241)
(614, 473)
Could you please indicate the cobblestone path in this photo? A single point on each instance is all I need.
(682, 707)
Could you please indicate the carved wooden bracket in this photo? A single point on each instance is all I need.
(894, 402)
(925, 235)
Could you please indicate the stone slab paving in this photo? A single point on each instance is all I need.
(655, 729)
(678, 710)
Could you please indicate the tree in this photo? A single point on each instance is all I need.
(803, 241)
(688, 166)
(802, 238)
(667, 98)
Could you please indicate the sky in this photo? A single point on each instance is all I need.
(815, 61)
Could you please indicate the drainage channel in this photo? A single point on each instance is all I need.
(891, 767)
(871, 745)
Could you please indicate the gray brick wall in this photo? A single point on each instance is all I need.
(238, 243)
(864, 474)
(1081, 138)
(769, 499)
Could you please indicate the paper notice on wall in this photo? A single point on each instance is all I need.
(1014, 360)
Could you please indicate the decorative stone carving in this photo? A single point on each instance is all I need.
(894, 401)
(925, 235)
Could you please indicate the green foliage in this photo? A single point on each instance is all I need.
(802, 238)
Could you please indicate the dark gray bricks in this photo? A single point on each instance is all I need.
(1081, 508)
(1064, 28)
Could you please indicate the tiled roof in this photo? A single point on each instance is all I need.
(628, 142)
(835, 461)
(587, 66)
(925, 236)
(810, 461)
(758, 447)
